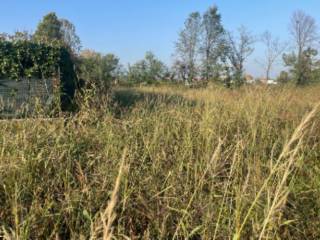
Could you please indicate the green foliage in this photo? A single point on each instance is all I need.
(25, 59)
(238, 50)
(149, 70)
(315, 77)
(283, 77)
(49, 29)
(52, 29)
(303, 67)
(68, 79)
(205, 50)
(57, 176)
(212, 43)
(98, 69)
(187, 47)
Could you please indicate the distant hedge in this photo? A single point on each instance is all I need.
(27, 59)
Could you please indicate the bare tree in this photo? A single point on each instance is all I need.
(17, 36)
(304, 32)
(239, 51)
(69, 35)
(274, 49)
(188, 44)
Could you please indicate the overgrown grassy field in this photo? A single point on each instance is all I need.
(167, 163)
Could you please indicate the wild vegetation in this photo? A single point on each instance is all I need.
(188, 151)
(195, 164)
(205, 53)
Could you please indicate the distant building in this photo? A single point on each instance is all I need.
(268, 81)
(249, 79)
(272, 82)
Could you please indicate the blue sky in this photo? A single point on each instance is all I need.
(129, 28)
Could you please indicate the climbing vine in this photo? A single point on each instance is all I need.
(27, 59)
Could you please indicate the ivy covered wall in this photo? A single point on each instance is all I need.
(26, 59)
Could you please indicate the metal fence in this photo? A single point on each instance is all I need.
(15, 95)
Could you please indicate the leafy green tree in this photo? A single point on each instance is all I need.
(239, 49)
(180, 71)
(303, 66)
(212, 42)
(97, 69)
(315, 77)
(304, 32)
(52, 29)
(187, 47)
(148, 70)
(283, 77)
(49, 29)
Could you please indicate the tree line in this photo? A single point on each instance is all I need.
(204, 52)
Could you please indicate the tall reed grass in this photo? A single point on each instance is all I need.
(167, 163)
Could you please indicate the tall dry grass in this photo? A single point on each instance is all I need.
(198, 164)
